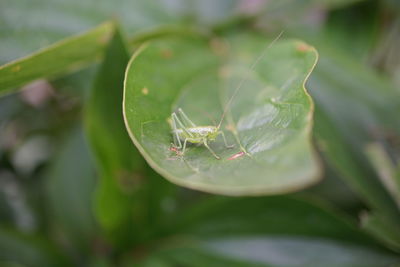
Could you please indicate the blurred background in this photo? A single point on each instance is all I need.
(52, 209)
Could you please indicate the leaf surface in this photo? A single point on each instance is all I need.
(273, 251)
(69, 185)
(128, 193)
(268, 120)
(269, 231)
(64, 56)
(28, 250)
(354, 106)
(118, 162)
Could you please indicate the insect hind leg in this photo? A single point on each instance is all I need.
(226, 143)
(185, 118)
(177, 141)
(177, 121)
(209, 148)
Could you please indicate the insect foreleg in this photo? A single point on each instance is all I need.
(186, 118)
(226, 143)
(209, 148)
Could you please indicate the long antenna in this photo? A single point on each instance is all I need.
(245, 78)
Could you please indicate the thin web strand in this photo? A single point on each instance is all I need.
(245, 79)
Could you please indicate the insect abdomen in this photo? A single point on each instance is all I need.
(202, 130)
(193, 133)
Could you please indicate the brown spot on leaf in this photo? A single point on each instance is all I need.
(219, 47)
(302, 47)
(129, 182)
(145, 91)
(166, 53)
(224, 72)
(16, 68)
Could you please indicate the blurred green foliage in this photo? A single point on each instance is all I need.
(75, 191)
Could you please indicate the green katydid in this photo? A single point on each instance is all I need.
(189, 132)
(185, 131)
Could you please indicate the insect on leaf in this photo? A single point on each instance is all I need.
(268, 120)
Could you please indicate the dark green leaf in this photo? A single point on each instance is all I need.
(269, 118)
(383, 229)
(119, 164)
(273, 231)
(26, 26)
(277, 251)
(223, 217)
(353, 105)
(387, 168)
(70, 184)
(335, 3)
(28, 250)
(348, 163)
(199, 255)
(122, 203)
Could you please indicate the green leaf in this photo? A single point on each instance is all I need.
(384, 230)
(64, 56)
(118, 162)
(76, 84)
(127, 190)
(29, 250)
(387, 169)
(353, 104)
(294, 15)
(273, 231)
(269, 118)
(48, 21)
(274, 251)
(198, 255)
(335, 3)
(26, 27)
(278, 215)
(70, 184)
(363, 33)
(347, 162)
